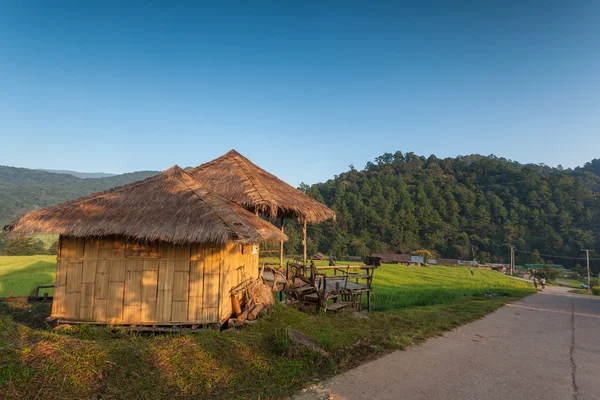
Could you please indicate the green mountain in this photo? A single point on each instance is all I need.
(23, 190)
(83, 175)
(461, 207)
(589, 174)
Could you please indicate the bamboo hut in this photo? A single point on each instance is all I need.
(236, 178)
(162, 251)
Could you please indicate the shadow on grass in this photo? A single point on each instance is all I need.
(30, 314)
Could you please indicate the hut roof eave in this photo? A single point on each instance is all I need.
(171, 206)
(238, 179)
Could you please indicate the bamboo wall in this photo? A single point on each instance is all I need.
(118, 281)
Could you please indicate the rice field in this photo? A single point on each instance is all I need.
(398, 286)
(395, 286)
(21, 274)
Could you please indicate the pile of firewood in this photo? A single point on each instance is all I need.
(249, 299)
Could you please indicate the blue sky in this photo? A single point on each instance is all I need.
(303, 89)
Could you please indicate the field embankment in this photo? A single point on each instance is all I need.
(257, 361)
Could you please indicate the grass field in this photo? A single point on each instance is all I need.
(20, 274)
(572, 283)
(258, 361)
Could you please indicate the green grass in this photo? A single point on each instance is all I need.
(399, 286)
(257, 361)
(595, 291)
(568, 282)
(20, 274)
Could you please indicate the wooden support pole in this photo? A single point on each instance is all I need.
(304, 242)
(281, 246)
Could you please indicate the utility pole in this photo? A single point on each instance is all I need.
(512, 260)
(587, 252)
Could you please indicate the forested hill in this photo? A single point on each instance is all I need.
(472, 206)
(22, 189)
(460, 207)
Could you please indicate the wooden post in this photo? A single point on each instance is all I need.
(281, 246)
(304, 241)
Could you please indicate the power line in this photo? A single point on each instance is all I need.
(553, 256)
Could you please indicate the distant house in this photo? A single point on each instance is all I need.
(405, 259)
(447, 261)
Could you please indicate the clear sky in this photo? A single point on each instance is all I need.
(302, 89)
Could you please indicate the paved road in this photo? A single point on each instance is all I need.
(546, 346)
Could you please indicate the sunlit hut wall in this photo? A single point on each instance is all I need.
(238, 179)
(164, 251)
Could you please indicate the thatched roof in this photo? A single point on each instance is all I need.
(171, 206)
(236, 178)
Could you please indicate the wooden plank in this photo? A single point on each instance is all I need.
(60, 298)
(79, 247)
(117, 271)
(150, 265)
(73, 295)
(111, 247)
(180, 286)
(114, 307)
(67, 249)
(61, 272)
(136, 249)
(99, 310)
(90, 261)
(181, 266)
(179, 311)
(165, 290)
(101, 280)
(149, 295)
(211, 284)
(148, 312)
(149, 285)
(196, 285)
(91, 247)
(337, 306)
(132, 301)
(225, 306)
(87, 295)
(182, 252)
(89, 271)
(210, 315)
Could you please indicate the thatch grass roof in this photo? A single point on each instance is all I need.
(171, 206)
(236, 178)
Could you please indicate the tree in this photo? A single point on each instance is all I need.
(53, 249)
(547, 272)
(426, 254)
(24, 246)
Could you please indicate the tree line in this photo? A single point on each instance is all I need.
(468, 207)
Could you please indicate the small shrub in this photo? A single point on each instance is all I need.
(596, 291)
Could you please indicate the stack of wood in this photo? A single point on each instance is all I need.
(249, 299)
(319, 256)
